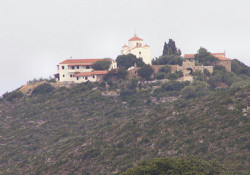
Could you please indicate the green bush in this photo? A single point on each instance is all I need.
(240, 68)
(165, 69)
(160, 75)
(12, 95)
(196, 89)
(122, 73)
(175, 75)
(160, 166)
(188, 92)
(146, 71)
(173, 86)
(42, 89)
(132, 84)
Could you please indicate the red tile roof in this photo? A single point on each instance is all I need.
(217, 55)
(83, 62)
(80, 61)
(125, 45)
(135, 38)
(189, 55)
(146, 45)
(97, 72)
(222, 58)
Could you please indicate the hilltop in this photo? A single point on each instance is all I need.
(84, 130)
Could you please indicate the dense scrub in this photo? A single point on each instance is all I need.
(169, 166)
(80, 131)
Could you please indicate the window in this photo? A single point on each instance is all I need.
(71, 75)
(87, 67)
(73, 67)
(62, 67)
(63, 75)
(77, 78)
(77, 67)
(135, 72)
(140, 52)
(86, 78)
(93, 76)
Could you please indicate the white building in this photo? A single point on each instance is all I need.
(80, 70)
(137, 48)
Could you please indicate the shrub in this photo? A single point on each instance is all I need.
(172, 76)
(122, 73)
(188, 92)
(42, 89)
(173, 86)
(166, 69)
(175, 166)
(12, 95)
(196, 89)
(176, 75)
(198, 75)
(127, 93)
(145, 71)
(160, 75)
(240, 68)
(220, 68)
(132, 84)
(116, 74)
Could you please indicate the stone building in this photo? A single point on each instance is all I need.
(222, 60)
(188, 67)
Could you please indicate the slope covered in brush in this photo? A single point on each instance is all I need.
(83, 131)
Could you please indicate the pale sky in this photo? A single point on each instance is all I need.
(35, 35)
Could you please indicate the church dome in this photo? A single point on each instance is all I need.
(135, 38)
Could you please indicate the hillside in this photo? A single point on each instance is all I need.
(80, 131)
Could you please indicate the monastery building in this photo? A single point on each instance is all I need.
(137, 48)
(223, 60)
(80, 70)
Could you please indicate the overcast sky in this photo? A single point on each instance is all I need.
(35, 35)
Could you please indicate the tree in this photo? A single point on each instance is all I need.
(205, 58)
(179, 52)
(145, 71)
(129, 61)
(165, 49)
(102, 64)
(163, 72)
(122, 73)
(168, 59)
(165, 69)
(240, 68)
(170, 48)
(219, 77)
